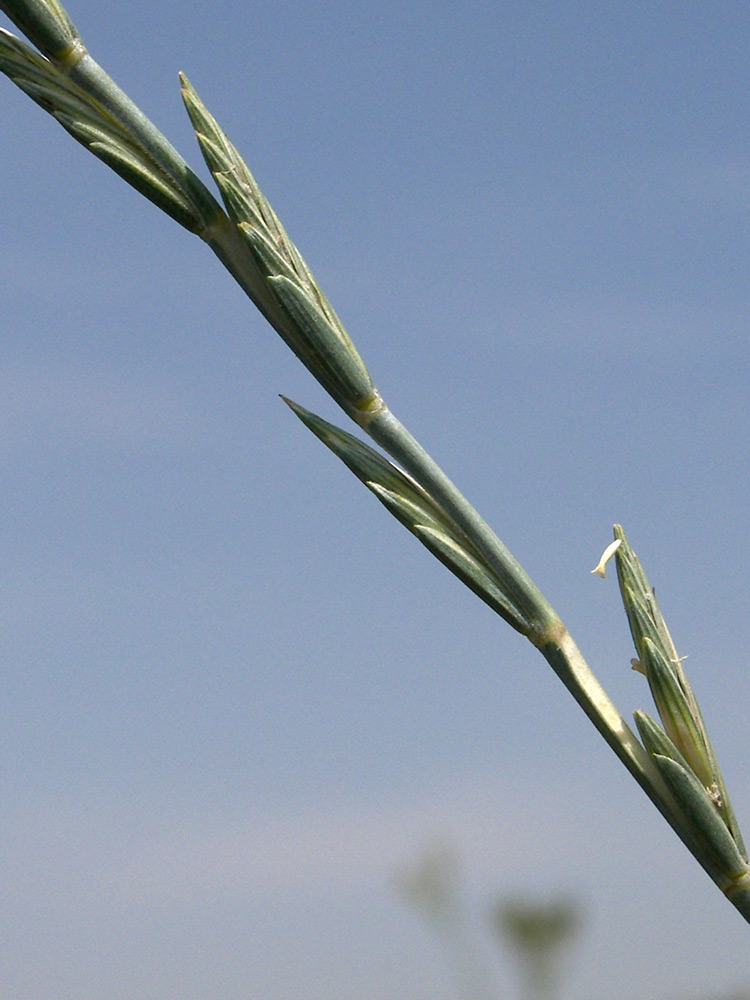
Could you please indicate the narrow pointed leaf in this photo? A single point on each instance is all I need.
(643, 611)
(96, 129)
(656, 740)
(672, 692)
(318, 345)
(371, 467)
(676, 714)
(417, 511)
(473, 573)
(271, 262)
(682, 720)
(412, 515)
(720, 849)
(242, 195)
(303, 315)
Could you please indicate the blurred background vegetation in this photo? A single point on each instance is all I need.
(536, 936)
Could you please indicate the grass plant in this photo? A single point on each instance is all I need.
(673, 761)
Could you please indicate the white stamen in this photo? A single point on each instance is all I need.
(610, 550)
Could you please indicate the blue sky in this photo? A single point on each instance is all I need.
(237, 697)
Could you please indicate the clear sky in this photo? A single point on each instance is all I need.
(236, 695)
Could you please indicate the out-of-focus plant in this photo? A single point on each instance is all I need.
(539, 934)
(674, 764)
(433, 886)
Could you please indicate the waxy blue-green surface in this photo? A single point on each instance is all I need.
(237, 694)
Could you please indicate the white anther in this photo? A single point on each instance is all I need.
(610, 550)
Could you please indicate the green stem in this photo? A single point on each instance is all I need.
(90, 76)
(536, 614)
(544, 629)
(49, 27)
